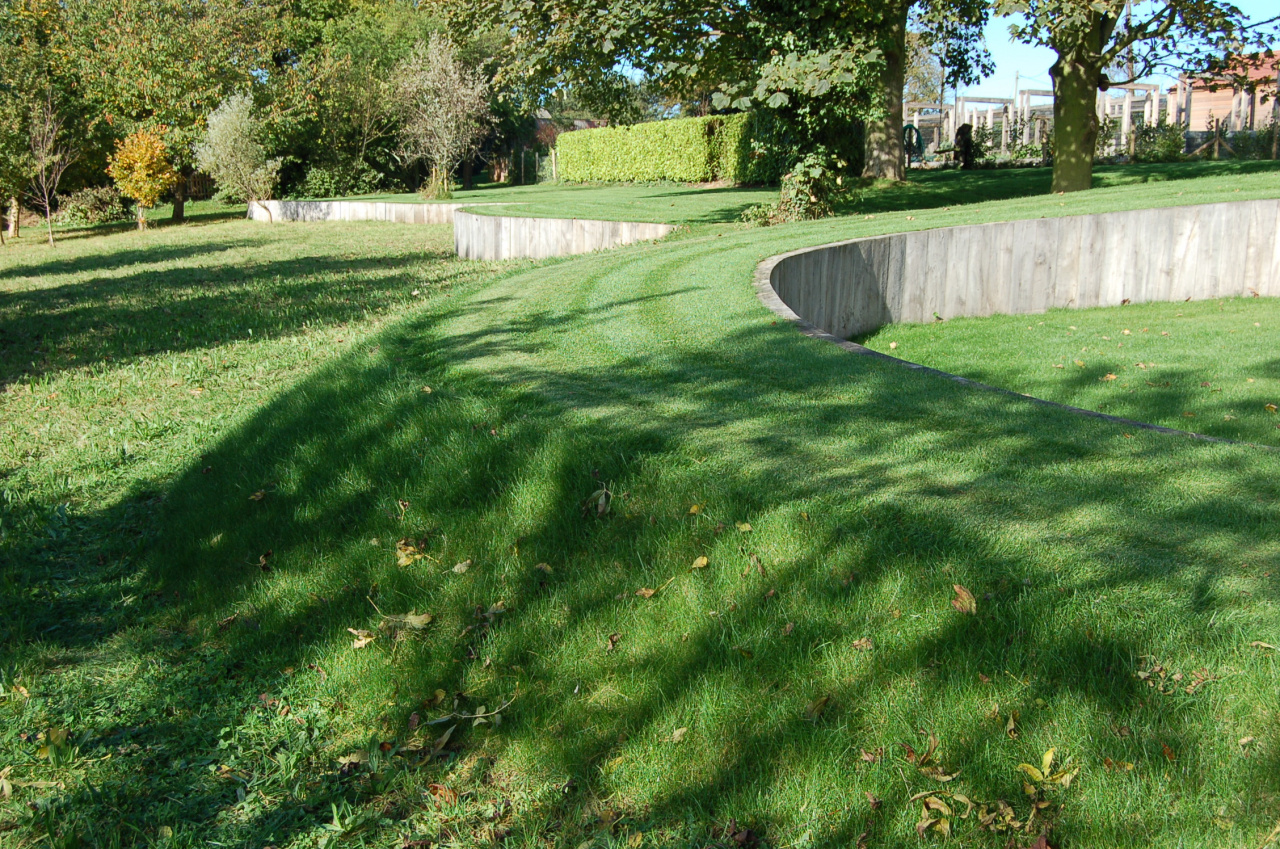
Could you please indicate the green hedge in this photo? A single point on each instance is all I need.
(686, 150)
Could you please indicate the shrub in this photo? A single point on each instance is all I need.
(92, 205)
(141, 169)
(809, 191)
(746, 147)
(1159, 143)
(231, 154)
(339, 180)
(1253, 144)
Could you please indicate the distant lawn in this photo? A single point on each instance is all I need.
(239, 462)
(931, 189)
(693, 205)
(1209, 367)
(663, 203)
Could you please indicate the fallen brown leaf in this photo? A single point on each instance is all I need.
(442, 795)
(645, 592)
(700, 562)
(815, 708)
(363, 638)
(964, 600)
(937, 773)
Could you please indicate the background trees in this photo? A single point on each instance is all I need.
(1092, 36)
(150, 63)
(824, 77)
(443, 107)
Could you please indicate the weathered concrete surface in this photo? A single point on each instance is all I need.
(492, 237)
(475, 236)
(1014, 267)
(357, 210)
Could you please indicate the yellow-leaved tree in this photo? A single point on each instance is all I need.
(142, 170)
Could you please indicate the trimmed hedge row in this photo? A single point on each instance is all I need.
(686, 150)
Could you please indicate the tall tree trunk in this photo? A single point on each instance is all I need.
(1076, 77)
(180, 196)
(15, 216)
(884, 153)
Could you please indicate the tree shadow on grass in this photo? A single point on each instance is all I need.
(870, 496)
(140, 313)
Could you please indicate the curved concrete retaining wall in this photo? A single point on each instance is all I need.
(356, 210)
(475, 236)
(492, 237)
(1173, 254)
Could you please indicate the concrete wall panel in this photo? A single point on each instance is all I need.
(481, 237)
(1197, 252)
(496, 237)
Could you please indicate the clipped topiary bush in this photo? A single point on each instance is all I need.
(680, 149)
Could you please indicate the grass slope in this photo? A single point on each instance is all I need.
(180, 604)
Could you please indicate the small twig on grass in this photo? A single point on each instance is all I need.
(1270, 838)
(453, 716)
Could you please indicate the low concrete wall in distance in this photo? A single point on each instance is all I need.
(491, 237)
(1173, 254)
(475, 236)
(356, 210)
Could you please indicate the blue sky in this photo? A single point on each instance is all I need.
(1031, 64)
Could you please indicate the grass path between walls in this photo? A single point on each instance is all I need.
(693, 579)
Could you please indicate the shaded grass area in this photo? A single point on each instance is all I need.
(184, 615)
(1209, 367)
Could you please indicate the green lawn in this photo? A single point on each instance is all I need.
(665, 203)
(692, 205)
(194, 515)
(1211, 367)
